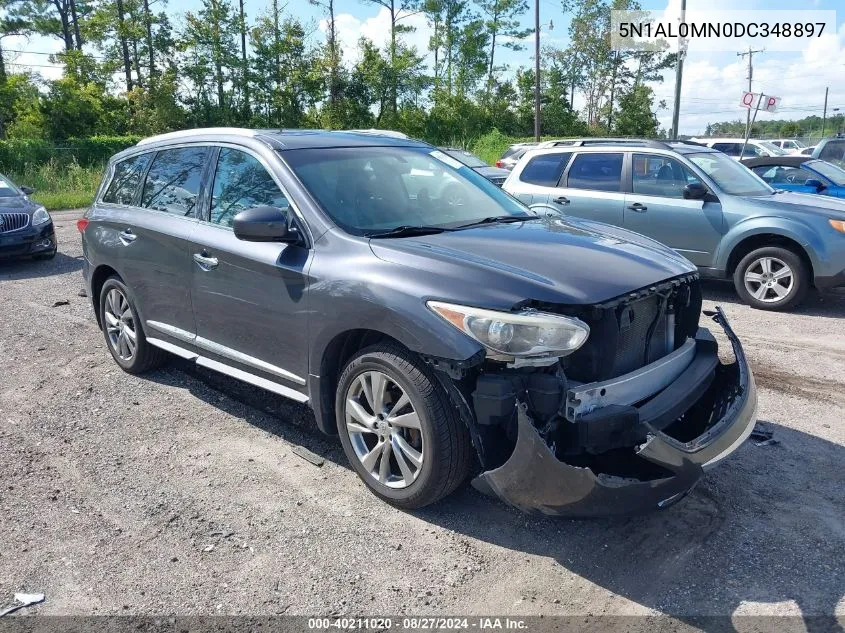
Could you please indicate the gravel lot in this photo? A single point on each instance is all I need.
(178, 492)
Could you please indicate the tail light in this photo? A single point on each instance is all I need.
(499, 164)
(81, 224)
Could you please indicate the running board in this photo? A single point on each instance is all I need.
(234, 372)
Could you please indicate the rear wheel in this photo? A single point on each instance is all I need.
(398, 429)
(772, 278)
(123, 331)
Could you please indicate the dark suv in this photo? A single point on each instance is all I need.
(561, 357)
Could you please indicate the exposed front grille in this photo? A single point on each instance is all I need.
(13, 221)
(635, 320)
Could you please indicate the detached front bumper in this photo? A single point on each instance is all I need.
(534, 479)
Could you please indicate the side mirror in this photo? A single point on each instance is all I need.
(265, 224)
(695, 191)
(27, 191)
(813, 182)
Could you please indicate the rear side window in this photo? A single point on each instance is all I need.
(599, 172)
(127, 177)
(731, 149)
(545, 169)
(173, 182)
(241, 183)
(833, 151)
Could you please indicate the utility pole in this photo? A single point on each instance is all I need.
(824, 114)
(679, 73)
(750, 54)
(537, 70)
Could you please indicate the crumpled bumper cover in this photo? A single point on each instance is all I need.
(533, 479)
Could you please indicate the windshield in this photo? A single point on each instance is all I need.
(771, 147)
(830, 171)
(729, 175)
(8, 189)
(370, 190)
(470, 160)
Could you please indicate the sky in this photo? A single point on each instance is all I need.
(712, 83)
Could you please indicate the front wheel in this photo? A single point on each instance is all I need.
(772, 278)
(398, 429)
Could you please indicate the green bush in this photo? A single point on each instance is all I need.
(18, 155)
(59, 184)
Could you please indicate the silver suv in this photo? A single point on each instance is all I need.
(712, 210)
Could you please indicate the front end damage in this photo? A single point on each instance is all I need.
(622, 445)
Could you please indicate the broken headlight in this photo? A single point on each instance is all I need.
(516, 334)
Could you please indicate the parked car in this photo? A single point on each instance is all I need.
(733, 147)
(800, 173)
(788, 145)
(832, 150)
(512, 155)
(562, 355)
(496, 175)
(807, 151)
(26, 228)
(709, 208)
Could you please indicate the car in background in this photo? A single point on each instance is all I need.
(788, 145)
(26, 228)
(513, 154)
(832, 150)
(807, 151)
(800, 173)
(709, 208)
(733, 147)
(566, 359)
(496, 175)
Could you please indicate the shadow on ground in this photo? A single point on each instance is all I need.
(765, 527)
(29, 268)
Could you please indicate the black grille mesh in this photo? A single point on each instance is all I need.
(634, 323)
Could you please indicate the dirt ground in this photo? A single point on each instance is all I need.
(178, 493)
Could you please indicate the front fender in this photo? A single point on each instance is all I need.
(797, 231)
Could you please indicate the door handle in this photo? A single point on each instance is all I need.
(127, 237)
(205, 261)
(561, 200)
(638, 207)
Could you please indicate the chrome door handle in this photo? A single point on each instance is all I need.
(205, 261)
(561, 200)
(127, 237)
(638, 207)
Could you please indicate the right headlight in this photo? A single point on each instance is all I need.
(526, 334)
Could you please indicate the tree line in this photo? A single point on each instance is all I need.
(810, 126)
(133, 67)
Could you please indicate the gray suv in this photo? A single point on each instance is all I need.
(562, 360)
(712, 210)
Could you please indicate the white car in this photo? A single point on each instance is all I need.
(733, 147)
(788, 145)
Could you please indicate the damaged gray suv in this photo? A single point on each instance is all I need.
(561, 360)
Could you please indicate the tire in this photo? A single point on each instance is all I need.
(441, 438)
(757, 283)
(143, 356)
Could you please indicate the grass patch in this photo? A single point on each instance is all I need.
(60, 185)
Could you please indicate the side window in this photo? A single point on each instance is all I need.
(545, 169)
(655, 175)
(127, 177)
(780, 175)
(241, 182)
(833, 151)
(173, 182)
(599, 172)
(731, 149)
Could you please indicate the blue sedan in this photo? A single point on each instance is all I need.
(800, 173)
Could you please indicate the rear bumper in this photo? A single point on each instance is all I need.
(28, 241)
(534, 479)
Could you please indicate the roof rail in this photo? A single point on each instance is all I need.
(581, 142)
(233, 131)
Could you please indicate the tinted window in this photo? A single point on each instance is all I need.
(731, 149)
(173, 182)
(660, 176)
(127, 176)
(545, 169)
(241, 182)
(600, 172)
(782, 175)
(833, 151)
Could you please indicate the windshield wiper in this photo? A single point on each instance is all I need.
(499, 219)
(409, 231)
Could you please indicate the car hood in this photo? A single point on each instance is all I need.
(17, 203)
(802, 203)
(492, 172)
(548, 259)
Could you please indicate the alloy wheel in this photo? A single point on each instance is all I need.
(120, 325)
(384, 429)
(769, 279)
